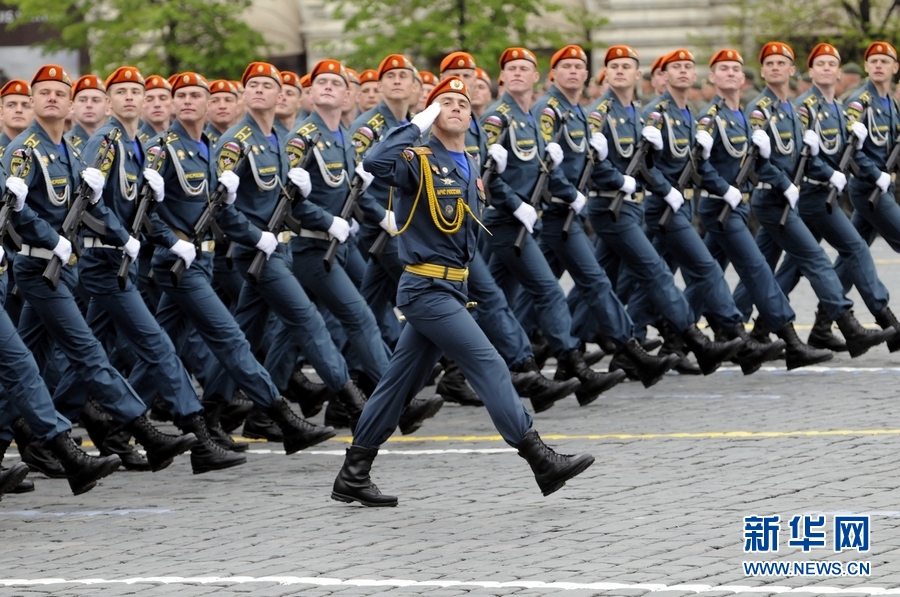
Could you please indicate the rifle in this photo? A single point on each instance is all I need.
(141, 221)
(798, 179)
(844, 163)
(584, 187)
(490, 168)
(890, 166)
(78, 216)
(745, 174)
(207, 218)
(540, 188)
(635, 166)
(7, 202)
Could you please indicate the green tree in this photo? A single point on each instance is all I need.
(427, 30)
(157, 36)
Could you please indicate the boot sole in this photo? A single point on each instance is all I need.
(346, 499)
(207, 469)
(324, 436)
(837, 346)
(811, 362)
(249, 433)
(17, 474)
(560, 482)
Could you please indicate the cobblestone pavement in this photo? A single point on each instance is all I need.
(662, 510)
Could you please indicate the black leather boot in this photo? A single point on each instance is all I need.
(258, 425)
(12, 477)
(161, 448)
(37, 457)
(311, 396)
(544, 392)
(207, 455)
(709, 354)
(551, 470)
(640, 364)
(605, 343)
(822, 334)
(798, 354)
(760, 331)
(25, 485)
(82, 471)
(593, 383)
(298, 433)
(96, 421)
(673, 343)
(415, 413)
(752, 354)
(353, 483)
(886, 319)
(336, 414)
(353, 401)
(212, 416)
(540, 348)
(522, 380)
(859, 339)
(160, 410)
(118, 442)
(235, 412)
(452, 387)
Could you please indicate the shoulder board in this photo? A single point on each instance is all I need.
(764, 102)
(171, 137)
(73, 140)
(31, 141)
(307, 129)
(118, 135)
(865, 97)
(376, 122)
(243, 134)
(811, 100)
(552, 101)
(143, 137)
(422, 150)
(503, 108)
(411, 152)
(603, 106)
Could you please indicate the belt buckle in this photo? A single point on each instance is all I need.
(284, 236)
(73, 259)
(688, 194)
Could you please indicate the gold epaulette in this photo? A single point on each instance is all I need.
(171, 137)
(763, 102)
(865, 97)
(503, 108)
(376, 122)
(552, 102)
(422, 150)
(307, 129)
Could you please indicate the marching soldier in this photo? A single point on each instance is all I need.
(287, 110)
(90, 108)
(48, 180)
(157, 113)
(772, 112)
(305, 101)
(482, 96)
(223, 108)
(16, 112)
(350, 110)
(428, 81)
(369, 90)
(439, 241)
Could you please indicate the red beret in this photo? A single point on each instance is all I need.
(289, 78)
(239, 86)
(878, 47)
(87, 82)
(189, 80)
(124, 74)
(352, 75)
(260, 69)
(601, 77)
(574, 52)
(329, 67)
(448, 85)
(620, 52)
(822, 49)
(482, 74)
(427, 77)
(51, 72)
(157, 82)
(15, 87)
(511, 54)
(222, 86)
(726, 55)
(368, 76)
(394, 61)
(457, 60)
(172, 78)
(657, 63)
(776, 48)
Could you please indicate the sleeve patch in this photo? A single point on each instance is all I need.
(229, 155)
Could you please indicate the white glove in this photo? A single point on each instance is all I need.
(499, 154)
(705, 141)
(883, 182)
(63, 249)
(861, 132)
(629, 186)
(132, 247)
(339, 229)
(17, 187)
(389, 222)
(156, 183)
(732, 197)
(267, 243)
(354, 227)
(526, 214)
(364, 175)
(674, 198)
(185, 250)
(654, 135)
(2, 254)
(94, 179)
(578, 204)
(600, 144)
(301, 180)
(230, 181)
(761, 140)
(426, 117)
(555, 152)
(811, 139)
(839, 180)
(792, 194)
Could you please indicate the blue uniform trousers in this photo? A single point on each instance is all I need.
(438, 323)
(379, 283)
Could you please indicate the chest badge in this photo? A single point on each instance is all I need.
(447, 181)
(448, 209)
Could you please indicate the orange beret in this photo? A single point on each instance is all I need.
(822, 49)
(88, 82)
(189, 80)
(367, 76)
(15, 87)
(726, 55)
(427, 77)
(289, 78)
(305, 81)
(222, 86)
(511, 54)
(329, 67)
(260, 69)
(239, 86)
(352, 75)
(775, 48)
(51, 72)
(678, 55)
(124, 74)
(620, 52)
(878, 47)
(448, 85)
(601, 77)
(482, 74)
(157, 82)
(394, 61)
(457, 60)
(172, 78)
(657, 63)
(574, 52)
